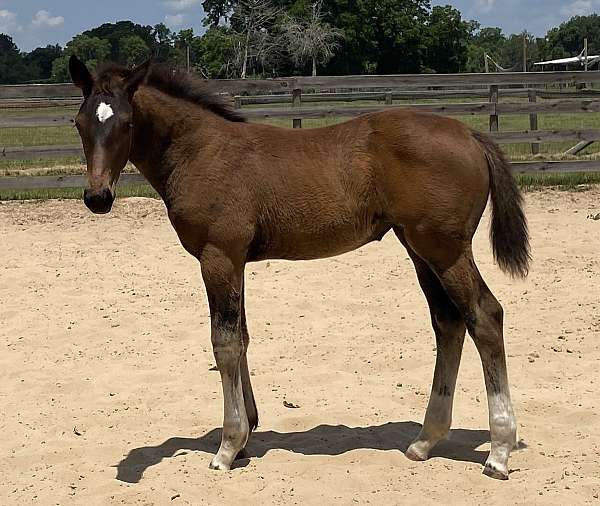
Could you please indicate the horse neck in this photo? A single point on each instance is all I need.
(159, 121)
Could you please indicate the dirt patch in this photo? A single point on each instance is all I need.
(109, 394)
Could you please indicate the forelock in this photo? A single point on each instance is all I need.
(110, 78)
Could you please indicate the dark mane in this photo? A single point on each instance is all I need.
(175, 83)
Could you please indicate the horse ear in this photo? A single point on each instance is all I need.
(81, 76)
(136, 77)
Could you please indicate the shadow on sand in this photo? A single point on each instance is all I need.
(320, 440)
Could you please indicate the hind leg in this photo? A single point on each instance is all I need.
(449, 331)
(250, 403)
(453, 263)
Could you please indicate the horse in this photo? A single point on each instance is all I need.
(238, 192)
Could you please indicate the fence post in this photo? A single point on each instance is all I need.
(237, 102)
(388, 98)
(494, 100)
(297, 102)
(533, 121)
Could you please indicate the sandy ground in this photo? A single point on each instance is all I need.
(107, 394)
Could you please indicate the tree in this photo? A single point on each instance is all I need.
(490, 41)
(116, 33)
(214, 54)
(253, 22)
(163, 43)
(13, 68)
(217, 11)
(311, 39)
(512, 54)
(447, 40)
(567, 39)
(90, 50)
(382, 36)
(40, 60)
(133, 50)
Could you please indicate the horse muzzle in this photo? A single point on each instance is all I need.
(98, 201)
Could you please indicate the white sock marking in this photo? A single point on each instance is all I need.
(104, 112)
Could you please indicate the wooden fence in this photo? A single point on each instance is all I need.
(304, 94)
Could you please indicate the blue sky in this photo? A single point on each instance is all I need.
(32, 23)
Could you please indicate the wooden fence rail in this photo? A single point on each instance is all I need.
(307, 101)
(80, 181)
(474, 108)
(382, 96)
(76, 181)
(256, 86)
(523, 137)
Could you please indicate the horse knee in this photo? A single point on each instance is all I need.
(227, 345)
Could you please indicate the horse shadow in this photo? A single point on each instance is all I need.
(320, 440)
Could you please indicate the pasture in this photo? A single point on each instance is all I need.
(61, 135)
(109, 393)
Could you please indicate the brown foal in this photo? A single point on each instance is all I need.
(238, 192)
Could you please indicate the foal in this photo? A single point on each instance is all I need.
(238, 192)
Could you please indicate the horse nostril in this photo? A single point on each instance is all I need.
(99, 202)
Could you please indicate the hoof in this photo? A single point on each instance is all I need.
(415, 455)
(217, 465)
(494, 471)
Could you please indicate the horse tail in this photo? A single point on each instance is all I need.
(508, 232)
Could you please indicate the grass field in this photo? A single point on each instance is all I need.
(24, 137)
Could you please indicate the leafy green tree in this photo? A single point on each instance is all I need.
(214, 54)
(133, 50)
(380, 36)
(13, 68)
(217, 11)
(40, 60)
(447, 40)
(90, 50)
(490, 41)
(567, 39)
(163, 42)
(512, 54)
(117, 33)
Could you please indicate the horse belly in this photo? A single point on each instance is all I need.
(310, 241)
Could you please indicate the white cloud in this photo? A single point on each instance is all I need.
(8, 22)
(181, 5)
(578, 8)
(484, 5)
(174, 20)
(43, 18)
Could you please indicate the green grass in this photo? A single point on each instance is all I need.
(74, 193)
(41, 136)
(563, 181)
(39, 112)
(50, 166)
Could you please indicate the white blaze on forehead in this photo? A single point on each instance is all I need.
(104, 112)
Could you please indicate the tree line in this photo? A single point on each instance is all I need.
(270, 38)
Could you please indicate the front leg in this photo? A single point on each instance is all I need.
(223, 279)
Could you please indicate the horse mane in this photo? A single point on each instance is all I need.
(175, 83)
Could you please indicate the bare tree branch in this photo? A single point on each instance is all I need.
(311, 39)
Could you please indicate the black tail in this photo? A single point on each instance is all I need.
(508, 232)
